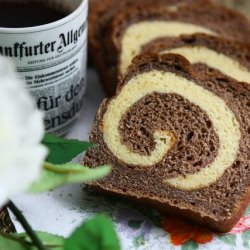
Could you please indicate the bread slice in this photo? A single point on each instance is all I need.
(132, 27)
(101, 15)
(102, 12)
(177, 140)
(229, 57)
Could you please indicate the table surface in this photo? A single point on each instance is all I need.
(62, 210)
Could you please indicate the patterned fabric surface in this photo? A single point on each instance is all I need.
(139, 227)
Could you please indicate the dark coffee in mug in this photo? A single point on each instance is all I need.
(18, 14)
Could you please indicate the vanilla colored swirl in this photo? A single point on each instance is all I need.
(213, 59)
(226, 127)
(144, 32)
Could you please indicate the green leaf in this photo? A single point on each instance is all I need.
(54, 176)
(190, 245)
(63, 150)
(136, 224)
(247, 212)
(246, 239)
(229, 239)
(10, 242)
(96, 234)
(50, 241)
(23, 242)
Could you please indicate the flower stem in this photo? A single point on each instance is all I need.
(36, 241)
(60, 170)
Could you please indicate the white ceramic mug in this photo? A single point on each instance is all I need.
(51, 58)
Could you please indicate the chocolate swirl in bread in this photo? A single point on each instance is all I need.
(177, 139)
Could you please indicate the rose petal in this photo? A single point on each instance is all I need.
(183, 235)
(203, 236)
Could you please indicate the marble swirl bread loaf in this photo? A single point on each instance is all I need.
(118, 35)
(102, 12)
(178, 140)
(101, 15)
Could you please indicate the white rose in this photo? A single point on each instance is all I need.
(21, 131)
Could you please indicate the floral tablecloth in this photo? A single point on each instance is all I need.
(61, 210)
